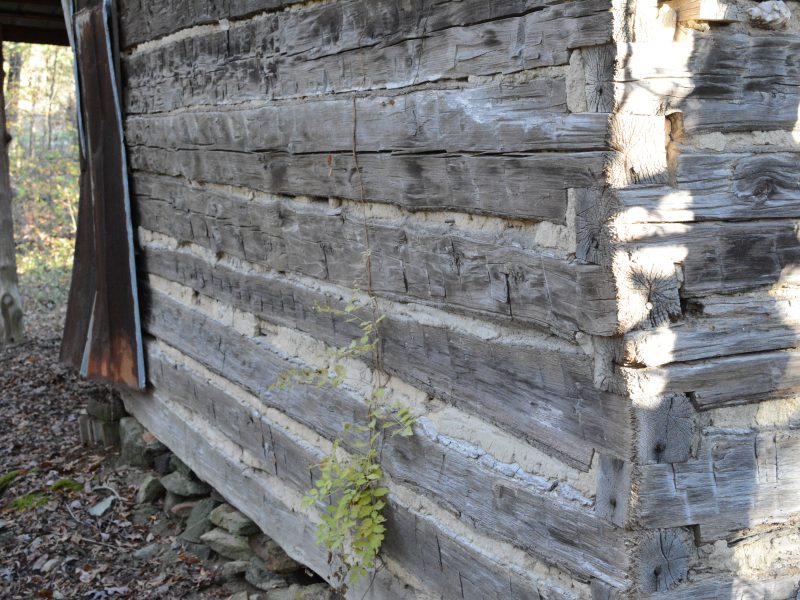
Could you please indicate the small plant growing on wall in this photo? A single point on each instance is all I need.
(350, 484)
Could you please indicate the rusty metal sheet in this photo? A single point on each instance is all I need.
(102, 335)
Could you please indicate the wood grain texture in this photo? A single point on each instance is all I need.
(532, 186)
(731, 587)
(472, 487)
(772, 194)
(666, 429)
(755, 178)
(599, 77)
(491, 274)
(142, 20)
(759, 376)
(726, 257)
(208, 454)
(738, 479)
(283, 56)
(145, 21)
(614, 487)
(722, 82)
(540, 394)
(663, 560)
(719, 325)
(526, 116)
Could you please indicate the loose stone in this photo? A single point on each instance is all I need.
(257, 576)
(274, 557)
(232, 520)
(198, 522)
(150, 490)
(136, 448)
(228, 545)
(182, 485)
(147, 552)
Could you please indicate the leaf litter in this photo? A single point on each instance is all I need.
(68, 521)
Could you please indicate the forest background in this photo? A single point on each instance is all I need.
(45, 168)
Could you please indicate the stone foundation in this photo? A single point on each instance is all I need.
(210, 528)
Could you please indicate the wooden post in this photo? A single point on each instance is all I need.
(11, 325)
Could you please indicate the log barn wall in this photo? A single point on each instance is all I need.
(582, 218)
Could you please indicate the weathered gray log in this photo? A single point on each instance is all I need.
(765, 194)
(532, 186)
(666, 429)
(206, 452)
(542, 395)
(599, 75)
(727, 257)
(525, 116)
(516, 509)
(758, 110)
(731, 587)
(12, 329)
(739, 479)
(722, 82)
(640, 153)
(493, 274)
(143, 21)
(255, 60)
(594, 210)
(614, 486)
(662, 558)
(757, 376)
(717, 326)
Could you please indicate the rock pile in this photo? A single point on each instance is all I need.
(209, 528)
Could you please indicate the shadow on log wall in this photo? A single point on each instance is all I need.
(701, 220)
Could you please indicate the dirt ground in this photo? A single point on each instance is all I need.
(51, 546)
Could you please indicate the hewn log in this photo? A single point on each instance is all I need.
(528, 186)
(613, 489)
(720, 325)
(663, 560)
(599, 74)
(656, 204)
(439, 265)
(143, 21)
(12, 329)
(541, 394)
(666, 428)
(527, 116)
(758, 376)
(514, 507)
(640, 150)
(722, 82)
(739, 479)
(595, 209)
(248, 488)
(730, 586)
(724, 257)
(274, 57)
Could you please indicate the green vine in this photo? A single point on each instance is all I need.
(352, 526)
(350, 483)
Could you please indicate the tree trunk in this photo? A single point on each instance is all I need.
(15, 60)
(11, 325)
(51, 95)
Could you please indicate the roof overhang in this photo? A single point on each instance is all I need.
(33, 21)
